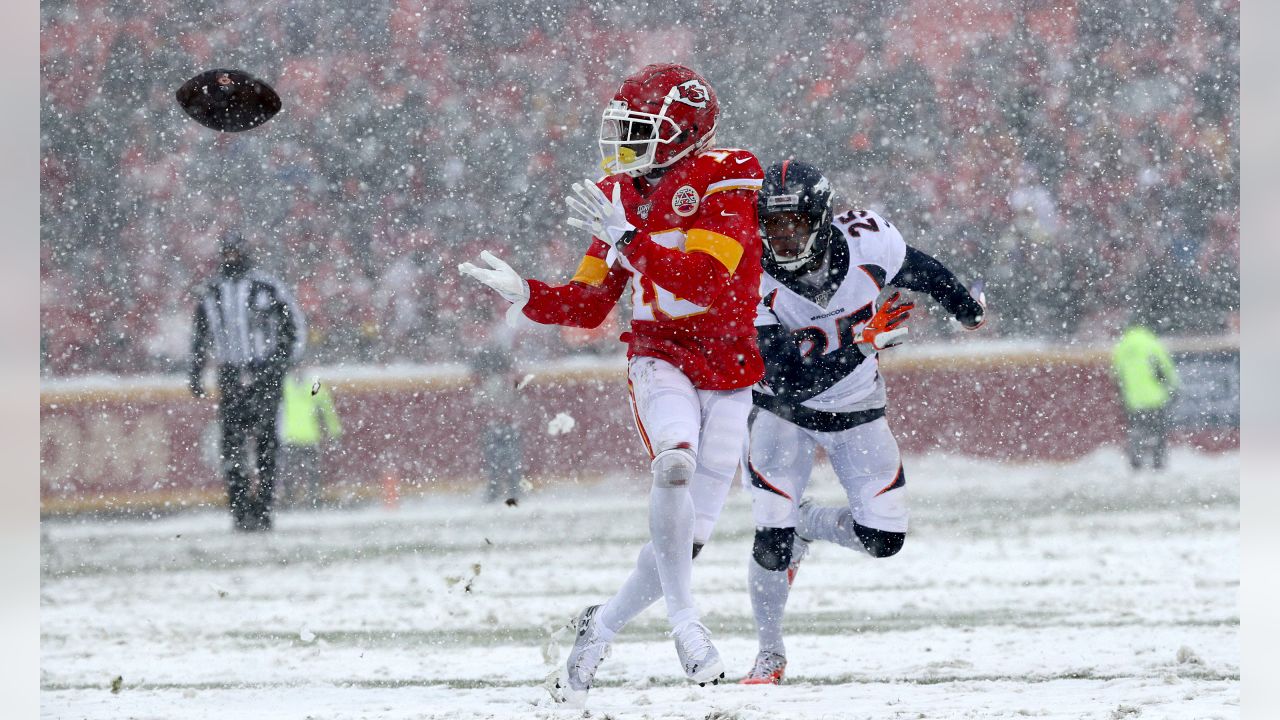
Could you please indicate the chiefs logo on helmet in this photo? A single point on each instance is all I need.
(661, 114)
(692, 93)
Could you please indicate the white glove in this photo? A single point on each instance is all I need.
(506, 281)
(598, 215)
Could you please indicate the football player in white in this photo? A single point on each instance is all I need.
(828, 305)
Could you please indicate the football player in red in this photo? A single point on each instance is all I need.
(674, 223)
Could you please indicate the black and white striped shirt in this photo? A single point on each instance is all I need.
(247, 319)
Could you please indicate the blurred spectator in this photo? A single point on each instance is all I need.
(494, 393)
(1147, 381)
(309, 419)
(1061, 149)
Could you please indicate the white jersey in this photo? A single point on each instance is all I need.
(866, 253)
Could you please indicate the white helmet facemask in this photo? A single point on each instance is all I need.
(629, 138)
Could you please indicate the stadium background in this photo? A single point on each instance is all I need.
(1082, 157)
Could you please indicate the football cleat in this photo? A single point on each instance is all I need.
(228, 100)
(768, 670)
(571, 682)
(699, 658)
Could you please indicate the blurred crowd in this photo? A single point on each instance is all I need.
(1080, 155)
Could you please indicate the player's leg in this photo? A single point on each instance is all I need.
(266, 401)
(667, 412)
(867, 463)
(779, 464)
(1133, 439)
(720, 451)
(232, 416)
(722, 442)
(668, 416)
(1160, 444)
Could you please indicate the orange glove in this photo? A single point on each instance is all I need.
(887, 328)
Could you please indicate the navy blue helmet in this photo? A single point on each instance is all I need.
(794, 210)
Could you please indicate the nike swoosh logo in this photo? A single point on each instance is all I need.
(728, 214)
(741, 160)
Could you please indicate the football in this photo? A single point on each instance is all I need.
(228, 100)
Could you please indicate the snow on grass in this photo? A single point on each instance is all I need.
(1053, 591)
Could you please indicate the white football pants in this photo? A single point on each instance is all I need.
(711, 425)
(865, 459)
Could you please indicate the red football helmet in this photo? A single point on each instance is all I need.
(659, 115)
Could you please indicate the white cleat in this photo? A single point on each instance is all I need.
(569, 684)
(701, 661)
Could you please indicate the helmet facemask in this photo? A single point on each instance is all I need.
(790, 237)
(629, 139)
(794, 211)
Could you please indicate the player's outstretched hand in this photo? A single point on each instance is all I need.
(506, 281)
(974, 321)
(887, 328)
(499, 276)
(601, 216)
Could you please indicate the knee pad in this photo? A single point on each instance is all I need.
(879, 543)
(673, 468)
(772, 548)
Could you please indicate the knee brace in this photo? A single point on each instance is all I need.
(772, 548)
(673, 467)
(879, 543)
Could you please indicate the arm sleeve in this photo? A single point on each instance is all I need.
(795, 377)
(713, 248)
(1165, 370)
(923, 273)
(585, 300)
(199, 340)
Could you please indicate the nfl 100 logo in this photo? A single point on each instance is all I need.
(685, 201)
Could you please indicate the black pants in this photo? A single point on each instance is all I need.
(1146, 433)
(248, 408)
(300, 475)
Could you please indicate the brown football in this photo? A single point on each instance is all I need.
(228, 100)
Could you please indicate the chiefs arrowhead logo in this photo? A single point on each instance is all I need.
(691, 92)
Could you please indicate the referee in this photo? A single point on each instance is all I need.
(251, 326)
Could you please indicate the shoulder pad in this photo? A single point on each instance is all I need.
(722, 169)
(871, 239)
(856, 224)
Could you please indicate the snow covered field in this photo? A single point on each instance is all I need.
(1051, 591)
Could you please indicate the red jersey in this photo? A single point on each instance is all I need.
(693, 269)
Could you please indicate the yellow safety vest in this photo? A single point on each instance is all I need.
(1143, 369)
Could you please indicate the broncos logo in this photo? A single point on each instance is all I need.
(691, 92)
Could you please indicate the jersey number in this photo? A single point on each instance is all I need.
(662, 300)
(863, 222)
(819, 344)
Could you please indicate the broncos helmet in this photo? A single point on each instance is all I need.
(794, 210)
